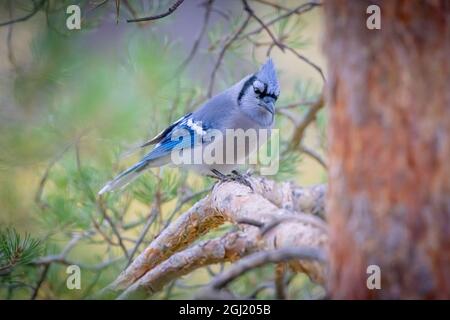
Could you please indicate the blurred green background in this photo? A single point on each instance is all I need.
(74, 103)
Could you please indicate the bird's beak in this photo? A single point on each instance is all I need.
(268, 103)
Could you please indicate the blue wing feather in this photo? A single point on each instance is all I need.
(160, 136)
(183, 134)
(180, 136)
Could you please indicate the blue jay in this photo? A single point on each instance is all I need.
(249, 104)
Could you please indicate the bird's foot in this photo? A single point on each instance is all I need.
(241, 178)
(234, 176)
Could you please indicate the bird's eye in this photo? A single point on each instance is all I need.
(258, 87)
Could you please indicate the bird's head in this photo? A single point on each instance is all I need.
(259, 92)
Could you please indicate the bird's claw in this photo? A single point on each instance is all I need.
(241, 178)
(234, 176)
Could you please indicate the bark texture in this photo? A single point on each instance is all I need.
(389, 156)
(269, 217)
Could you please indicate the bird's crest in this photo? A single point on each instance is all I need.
(268, 75)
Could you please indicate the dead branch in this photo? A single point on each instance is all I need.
(315, 155)
(227, 45)
(308, 61)
(195, 46)
(38, 196)
(9, 44)
(40, 281)
(306, 120)
(193, 223)
(291, 197)
(276, 42)
(150, 219)
(305, 7)
(282, 215)
(227, 248)
(273, 5)
(263, 25)
(36, 8)
(259, 259)
(159, 16)
(279, 283)
(296, 104)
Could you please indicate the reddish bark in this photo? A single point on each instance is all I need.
(389, 197)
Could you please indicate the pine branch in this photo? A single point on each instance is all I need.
(16, 250)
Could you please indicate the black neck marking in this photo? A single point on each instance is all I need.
(247, 84)
(264, 94)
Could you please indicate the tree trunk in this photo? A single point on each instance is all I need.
(389, 99)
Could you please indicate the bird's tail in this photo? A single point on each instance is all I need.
(125, 177)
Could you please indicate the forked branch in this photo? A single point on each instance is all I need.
(272, 216)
